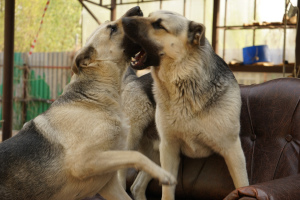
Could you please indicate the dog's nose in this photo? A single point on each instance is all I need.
(140, 13)
(135, 11)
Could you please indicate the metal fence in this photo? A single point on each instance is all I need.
(38, 81)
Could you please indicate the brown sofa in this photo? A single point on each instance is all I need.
(270, 134)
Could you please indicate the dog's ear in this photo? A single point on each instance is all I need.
(83, 58)
(135, 11)
(196, 34)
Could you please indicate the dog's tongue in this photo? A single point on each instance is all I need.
(139, 59)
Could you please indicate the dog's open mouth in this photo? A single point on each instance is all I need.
(147, 54)
(145, 57)
(138, 61)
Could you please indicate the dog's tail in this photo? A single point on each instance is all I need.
(129, 76)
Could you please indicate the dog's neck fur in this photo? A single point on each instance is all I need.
(104, 73)
(178, 84)
(96, 80)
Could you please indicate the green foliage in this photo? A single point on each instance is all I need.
(58, 32)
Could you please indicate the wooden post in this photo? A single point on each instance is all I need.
(215, 34)
(8, 69)
(113, 12)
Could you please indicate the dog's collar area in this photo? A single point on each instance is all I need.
(139, 59)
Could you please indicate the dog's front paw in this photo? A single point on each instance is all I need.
(168, 179)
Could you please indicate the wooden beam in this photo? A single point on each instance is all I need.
(95, 18)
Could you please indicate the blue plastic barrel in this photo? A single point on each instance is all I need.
(255, 54)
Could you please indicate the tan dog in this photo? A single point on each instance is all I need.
(74, 149)
(197, 97)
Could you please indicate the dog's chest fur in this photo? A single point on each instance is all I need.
(190, 101)
(189, 95)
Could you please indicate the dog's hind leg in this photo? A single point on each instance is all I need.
(139, 186)
(112, 161)
(114, 191)
(133, 142)
(122, 174)
(235, 161)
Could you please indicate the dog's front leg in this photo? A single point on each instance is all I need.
(111, 161)
(169, 159)
(235, 160)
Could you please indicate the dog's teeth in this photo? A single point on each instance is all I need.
(137, 54)
(133, 59)
(133, 62)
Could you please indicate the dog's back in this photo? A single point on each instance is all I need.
(139, 106)
(30, 166)
(143, 83)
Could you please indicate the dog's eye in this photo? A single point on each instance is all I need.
(113, 29)
(157, 25)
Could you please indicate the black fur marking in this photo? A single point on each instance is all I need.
(76, 92)
(157, 25)
(207, 93)
(30, 166)
(222, 67)
(130, 47)
(221, 78)
(136, 30)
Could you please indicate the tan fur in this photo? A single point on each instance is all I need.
(88, 125)
(198, 99)
(93, 149)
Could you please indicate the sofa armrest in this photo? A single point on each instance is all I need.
(279, 189)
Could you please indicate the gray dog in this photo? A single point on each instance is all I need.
(139, 106)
